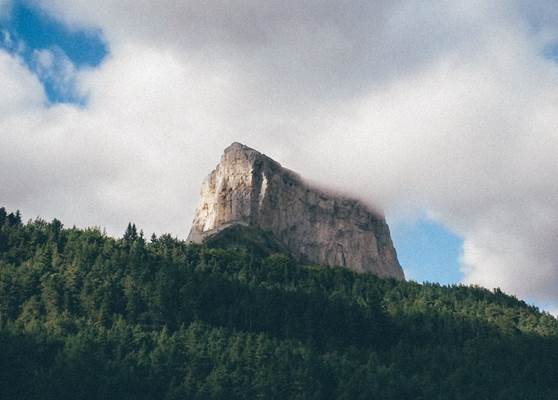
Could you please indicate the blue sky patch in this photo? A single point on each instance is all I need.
(428, 251)
(51, 50)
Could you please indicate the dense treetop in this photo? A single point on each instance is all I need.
(84, 315)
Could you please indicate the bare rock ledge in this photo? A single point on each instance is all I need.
(248, 188)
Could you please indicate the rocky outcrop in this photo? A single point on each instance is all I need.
(248, 188)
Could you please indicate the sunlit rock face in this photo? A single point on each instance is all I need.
(248, 188)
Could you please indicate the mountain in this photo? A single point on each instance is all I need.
(249, 189)
(87, 316)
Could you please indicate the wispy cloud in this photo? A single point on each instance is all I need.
(58, 74)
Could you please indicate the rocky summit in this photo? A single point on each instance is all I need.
(249, 190)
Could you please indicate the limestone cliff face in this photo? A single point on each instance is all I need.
(249, 188)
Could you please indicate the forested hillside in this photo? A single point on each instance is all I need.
(87, 316)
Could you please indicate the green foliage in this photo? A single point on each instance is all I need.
(84, 315)
(257, 242)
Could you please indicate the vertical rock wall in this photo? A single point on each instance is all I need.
(251, 189)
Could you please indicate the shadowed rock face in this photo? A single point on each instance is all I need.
(248, 188)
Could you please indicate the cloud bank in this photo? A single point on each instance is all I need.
(450, 109)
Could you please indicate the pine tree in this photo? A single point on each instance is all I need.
(131, 233)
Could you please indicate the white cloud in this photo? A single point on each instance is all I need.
(449, 109)
(21, 89)
(474, 144)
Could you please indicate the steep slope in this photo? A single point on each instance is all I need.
(249, 188)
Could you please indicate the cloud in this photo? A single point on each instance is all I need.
(449, 109)
(25, 91)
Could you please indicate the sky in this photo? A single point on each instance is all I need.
(444, 115)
